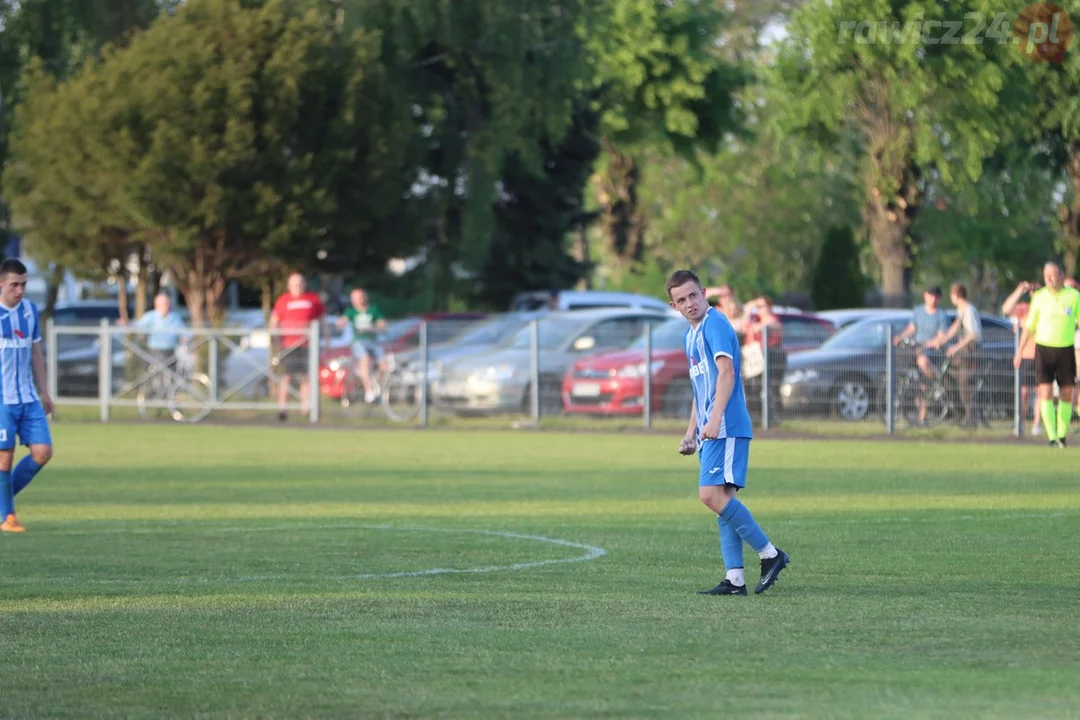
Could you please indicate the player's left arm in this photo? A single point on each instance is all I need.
(723, 344)
(37, 367)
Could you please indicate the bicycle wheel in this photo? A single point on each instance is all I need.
(189, 401)
(401, 396)
(149, 390)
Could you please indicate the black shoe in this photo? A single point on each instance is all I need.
(1055, 444)
(282, 416)
(725, 588)
(1061, 442)
(770, 570)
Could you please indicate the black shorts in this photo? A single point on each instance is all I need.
(1055, 364)
(1027, 372)
(294, 361)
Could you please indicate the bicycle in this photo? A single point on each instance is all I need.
(940, 393)
(185, 392)
(397, 389)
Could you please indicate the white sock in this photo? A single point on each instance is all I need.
(767, 552)
(736, 577)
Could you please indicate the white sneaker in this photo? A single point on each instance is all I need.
(1036, 430)
(369, 396)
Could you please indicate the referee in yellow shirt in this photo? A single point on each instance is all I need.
(1053, 318)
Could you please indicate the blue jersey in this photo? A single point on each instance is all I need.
(19, 330)
(712, 338)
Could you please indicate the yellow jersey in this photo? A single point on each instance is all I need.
(1054, 317)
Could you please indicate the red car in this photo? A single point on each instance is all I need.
(336, 376)
(613, 384)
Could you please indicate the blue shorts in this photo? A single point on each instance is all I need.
(724, 461)
(28, 421)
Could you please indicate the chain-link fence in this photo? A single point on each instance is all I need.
(582, 368)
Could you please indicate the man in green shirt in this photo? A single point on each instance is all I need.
(1052, 320)
(366, 320)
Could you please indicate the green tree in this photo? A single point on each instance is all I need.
(489, 82)
(664, 86)
(1056, 78)
(913, 108)
(534, 214)
(995, 232)
(838, 280)
(222, 135)
(59, 36)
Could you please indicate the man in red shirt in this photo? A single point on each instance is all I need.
(295, 310)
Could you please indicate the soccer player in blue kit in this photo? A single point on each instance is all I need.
(23, 410)
(720, 432)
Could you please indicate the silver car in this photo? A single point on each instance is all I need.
(499, 379)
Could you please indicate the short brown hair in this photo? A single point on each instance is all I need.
(680, 277)
(959, 290)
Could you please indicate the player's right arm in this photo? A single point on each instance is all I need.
(689, 441)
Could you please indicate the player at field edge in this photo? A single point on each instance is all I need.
(1052, 321)
(720, 432)
(25, 407)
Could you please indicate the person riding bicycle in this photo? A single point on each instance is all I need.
(365, 319)
(165, 337)
(964, 355)
(927, 322)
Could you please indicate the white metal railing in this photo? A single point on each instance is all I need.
(238, 362)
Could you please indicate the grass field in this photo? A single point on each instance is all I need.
(244, 572)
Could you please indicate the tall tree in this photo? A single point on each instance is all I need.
(915, 105)
(1056, 77)
(60, 35)
(664, 86)
(489, 82)
(221, 135)
(535, 212)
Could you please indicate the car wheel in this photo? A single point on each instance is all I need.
(852, 398)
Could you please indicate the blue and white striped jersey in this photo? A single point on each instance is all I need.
(712, 338)
(19, 330)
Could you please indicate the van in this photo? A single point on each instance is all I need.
(583, 300)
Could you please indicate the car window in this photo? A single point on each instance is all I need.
(803, 332)
(86, 315)
(995, 333)
(617, 333)
(440, 331)
(865, 335)
(667, 335)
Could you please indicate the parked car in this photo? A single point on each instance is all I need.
(584, 300)
(842, 318)
(400, 341)
(614, 384)
(845, 377)
(498, 379)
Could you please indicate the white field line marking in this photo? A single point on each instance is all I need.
(591, 553)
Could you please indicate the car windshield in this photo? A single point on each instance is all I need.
(553, 334)
(669, 336)
(488, 332)
(398, 329)
(865, 334)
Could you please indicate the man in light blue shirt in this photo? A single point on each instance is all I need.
(164, 325)
(720, 432)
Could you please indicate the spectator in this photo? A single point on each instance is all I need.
(365, 319)
(295, 311)
(927, 322)
(964, 354)
(1017, 312)
(759, 320)
(729, 305)
(164, 325)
